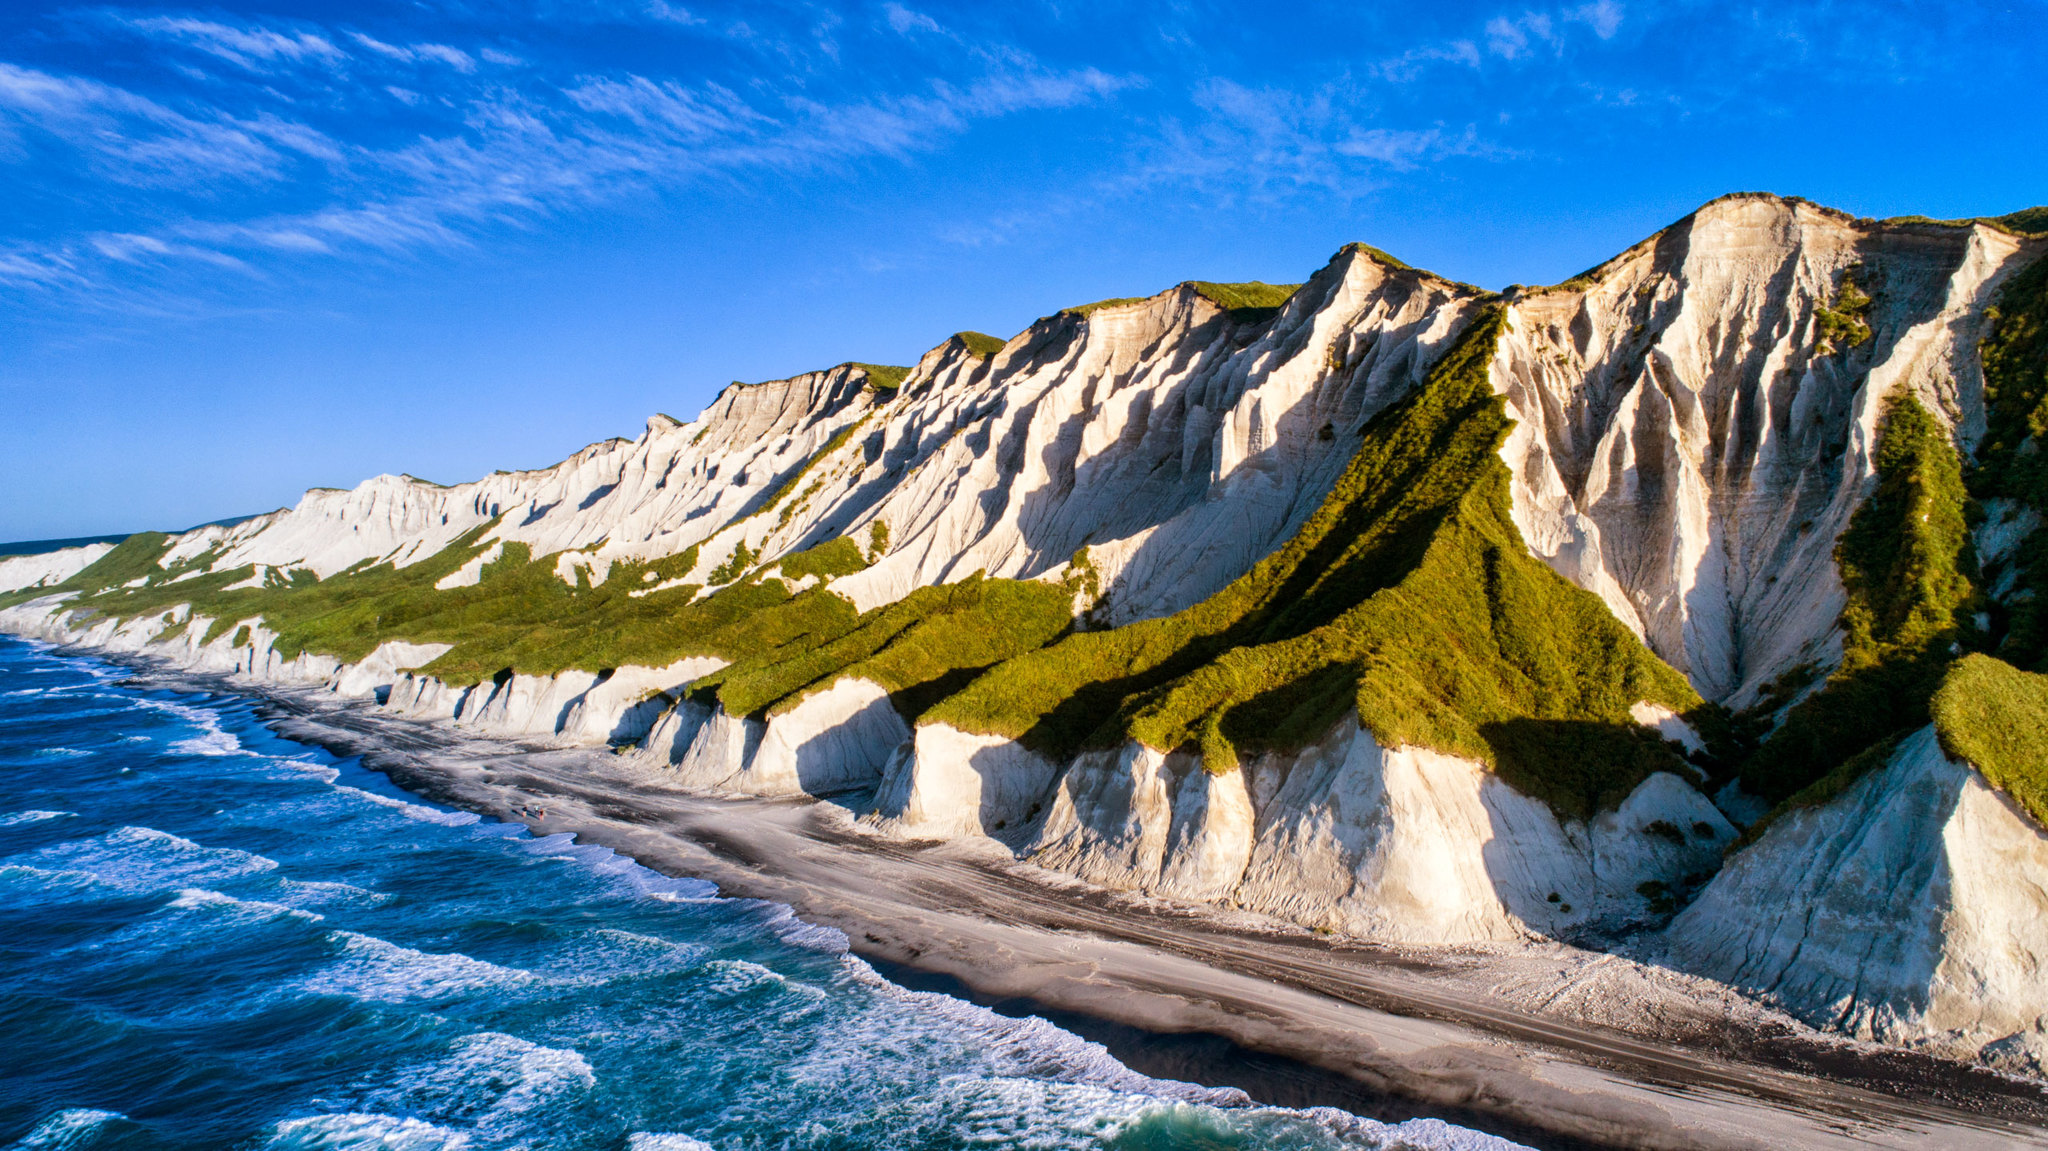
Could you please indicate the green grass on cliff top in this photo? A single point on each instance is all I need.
(1249, 301)
(1995, 716)
(980, 345)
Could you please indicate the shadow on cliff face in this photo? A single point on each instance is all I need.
(1579, 767)
(1838, 910)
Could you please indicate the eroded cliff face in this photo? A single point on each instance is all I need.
(653, 496)
(1696, 416)
(1912, 908)
(1177, 441)
(1695, 422)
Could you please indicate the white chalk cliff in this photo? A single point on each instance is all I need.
(1689, 442)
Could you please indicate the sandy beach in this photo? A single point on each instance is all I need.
(1549, 1045)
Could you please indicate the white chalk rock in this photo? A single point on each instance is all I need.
(1912, 908)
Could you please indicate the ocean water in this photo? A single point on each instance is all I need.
(211, 937)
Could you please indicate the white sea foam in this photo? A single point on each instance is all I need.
(200, 899)
(60, 753)
(378, 971)
(729, 977)
(73, 1127)
(145, 859)
(1034, 1047)
(605, 861)
(665, 1141)
(490, 1081)
(321, 893)
(45, 880)
(17, 818)
(416, 811)
(609, 953)
(357, 1131)
(211, 740)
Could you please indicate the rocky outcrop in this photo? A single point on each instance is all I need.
(1912, 908)
(1403, 845)
(46, 569)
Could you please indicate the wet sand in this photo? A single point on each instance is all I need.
(1551, 1046)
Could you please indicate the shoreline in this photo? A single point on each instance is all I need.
(1181, 993)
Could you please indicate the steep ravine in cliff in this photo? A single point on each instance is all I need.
(1382, 605)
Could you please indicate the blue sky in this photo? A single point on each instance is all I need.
(250, 249)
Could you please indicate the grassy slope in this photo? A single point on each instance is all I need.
(2016, 402)
(1995, 716)
(918, 648)
(1408, 595)
(1249, 301)
(1906, 564)
(980, 345)
(521, 617)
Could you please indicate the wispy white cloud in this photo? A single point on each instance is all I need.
(491, 149)
(136, 141)
(903, 20)
(254, 47)
(1263, 142)
(455, 58)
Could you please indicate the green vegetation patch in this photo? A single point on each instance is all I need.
(1995, 716)
(1906, 563)
(829, 560)
(519, 615)
(1248, 303)
(2015, 357)
(136, 557)
(1845, 324)
(790, 486)
(884, 377)
(1086, 310)
(919, 649)
(1378, 255)
(1408, 595)
(2027, 221)
(980, 345)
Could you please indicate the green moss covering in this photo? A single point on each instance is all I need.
(1906, 564)
(1843, 324)
(734, 566)
(884, 377)
(828, 560)
(136, 557)
(919, 648)
(1377, 255)
(1086, 310)
(2027, 221)
(980, 345)
(1248, 303)
(1995, 716)
(1408, 595)
(2015, 357)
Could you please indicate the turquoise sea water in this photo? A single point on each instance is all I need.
(213, 937)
